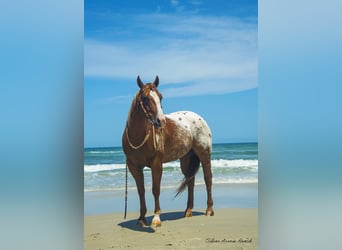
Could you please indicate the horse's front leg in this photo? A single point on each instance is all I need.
(138, 175)
(156, 179)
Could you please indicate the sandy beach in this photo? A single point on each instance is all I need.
(231, 228)
(235, 196)
(234, 225)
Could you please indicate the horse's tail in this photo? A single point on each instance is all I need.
(193, 167)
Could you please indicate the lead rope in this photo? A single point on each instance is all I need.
(154, 137)
(126, 191)
(141, 144)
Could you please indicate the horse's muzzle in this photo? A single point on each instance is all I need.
(159, 122)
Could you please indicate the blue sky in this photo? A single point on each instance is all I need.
(204, 52)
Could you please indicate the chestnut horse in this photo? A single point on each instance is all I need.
(150, 138)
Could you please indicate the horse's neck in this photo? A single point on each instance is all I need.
(137, 124)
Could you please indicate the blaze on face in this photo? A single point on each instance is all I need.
(151, 102)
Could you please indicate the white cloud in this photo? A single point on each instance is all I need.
(116, 99)
(177, 6)
(200, 51)
(174, 2)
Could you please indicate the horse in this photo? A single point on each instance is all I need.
(151, 138)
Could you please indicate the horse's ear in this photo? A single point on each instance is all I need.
(156, 81)
(140, 83)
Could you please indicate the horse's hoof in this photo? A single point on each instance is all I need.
(156, 221)
(188, 213)
(156, 224)
(209, 212)
(142, 223)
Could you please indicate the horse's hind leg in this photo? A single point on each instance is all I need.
(190, 163)
(206, 164)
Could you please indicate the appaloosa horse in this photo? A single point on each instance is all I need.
(150, 138)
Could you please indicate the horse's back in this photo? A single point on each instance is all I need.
(196, 126)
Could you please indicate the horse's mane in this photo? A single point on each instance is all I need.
(132, 108)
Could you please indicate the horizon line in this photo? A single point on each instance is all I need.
(215, 143)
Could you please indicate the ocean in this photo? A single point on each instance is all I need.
(232, 163)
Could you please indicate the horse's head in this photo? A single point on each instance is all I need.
(150, 101)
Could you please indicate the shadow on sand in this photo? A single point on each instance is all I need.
(170, 216)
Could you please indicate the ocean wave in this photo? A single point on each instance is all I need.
(248, 180)
(219, 163)
(216, 163)
(105, 152)
(103, 167)
(216, 181)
